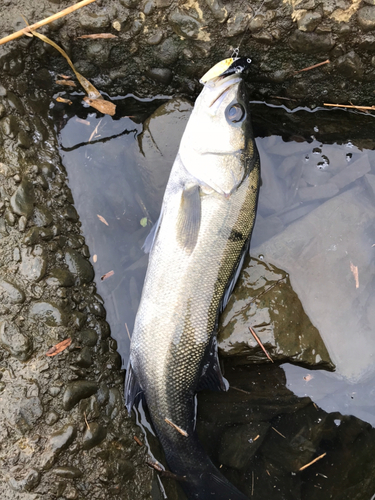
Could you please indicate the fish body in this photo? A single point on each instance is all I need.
(196, 251)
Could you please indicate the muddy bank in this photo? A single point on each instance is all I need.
(164, 46)
(64, 430)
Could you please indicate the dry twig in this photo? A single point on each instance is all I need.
(61, 346)
(260, 343)
(361, 108)
(282, 435)
(45, 21)
(178, 429)
(313, 461)
(312, 67)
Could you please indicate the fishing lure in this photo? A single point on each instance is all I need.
(226, 67)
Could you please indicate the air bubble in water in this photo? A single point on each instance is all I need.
(261, 257)
(316, 151)
(349, 144)
(349, 156)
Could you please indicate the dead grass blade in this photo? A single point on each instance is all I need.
(61, 346)
(62, 99)
(69, 83)
(99, 35)
(45, 21)
(107, 275)
(102, 219)
(312, 67)
(105, 107)
(360, 108)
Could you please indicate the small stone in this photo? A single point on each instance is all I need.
(184, 25)
(257, 23)
(12, 293)
(309, 21)
(70, 213)
(77, 390)
(92, 21)
(68, 472)
(79, 267)
(48, 313)
(22, 222)
(42, 217)
(156, 38)
(28, 413)
(311, 43)
(31, 237)
(116, 25)
(58, 442)
(54, 390)
(370, 2)
(162, 4)
(149, 8)
(238, 23)
(30, 480)
(22, 201)
(87, 337)
(52, 417)
(167, 53)
(366, 18)
(84, 358)
(15, 342)
(10, 218)
(219, 12)
(93, 436)
(23, 140)
(350, 65)
(160, 75)
(10, 126)
(60, 277)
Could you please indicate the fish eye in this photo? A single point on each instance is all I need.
(235, 113)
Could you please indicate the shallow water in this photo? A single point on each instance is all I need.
(315, 221)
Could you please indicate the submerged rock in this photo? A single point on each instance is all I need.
(79, 267)
(50, 314)
(11, 292)
(22, 201)
(264, 300)
(77, 390)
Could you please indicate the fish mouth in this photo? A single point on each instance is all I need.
(218, 89)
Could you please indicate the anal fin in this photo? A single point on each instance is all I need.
(211, 377)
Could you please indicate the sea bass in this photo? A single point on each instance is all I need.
(197, 249)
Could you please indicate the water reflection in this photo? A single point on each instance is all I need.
(315, 221)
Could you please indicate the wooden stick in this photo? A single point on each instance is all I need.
(47, 20)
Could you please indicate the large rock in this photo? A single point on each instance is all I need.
(264, 300)
(322, 252)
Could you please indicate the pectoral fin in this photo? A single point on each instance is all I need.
(211, 377)
(189, 218)
(151, 237)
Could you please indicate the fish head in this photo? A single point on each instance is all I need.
(214, 148)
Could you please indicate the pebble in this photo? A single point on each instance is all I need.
(219, 12)
(42, 217)
(70, 213)
(366, 18)
(87, 337)
(168, 52)
(30, 481)
(79, 267)
(350, 65)
(22, 201)
(93, 435)
(156, 38)
(58, 442)
(28, 413)
(311, 43)
(16, 343)
(84, 358)
(48, 313)
(60, 277)
(160, 75)
(237, 24)
(23, 140)
(257, 23)
(31, 237)
(52, 417)
(184, 25)
(92, 21)
(77, 390)
(22, 222)
(12, 293)
(10, 126)
(68, 472)
(309, 21)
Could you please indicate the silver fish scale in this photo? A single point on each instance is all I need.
(181, 298)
